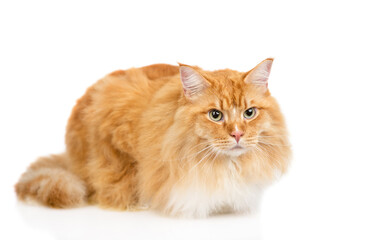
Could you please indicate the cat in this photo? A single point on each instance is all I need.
(177, 139)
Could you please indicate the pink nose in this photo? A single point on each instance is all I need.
(237, 135)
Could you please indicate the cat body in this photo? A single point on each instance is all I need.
(152, 137)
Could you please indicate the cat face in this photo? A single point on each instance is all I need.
(233, 111)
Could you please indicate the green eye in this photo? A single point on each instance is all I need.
(215, 115)
(249, 113)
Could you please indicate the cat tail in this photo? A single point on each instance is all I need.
(49, 182)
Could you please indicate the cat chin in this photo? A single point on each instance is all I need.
(235, 152)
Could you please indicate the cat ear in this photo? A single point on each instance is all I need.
(259, 75)
(193, 82)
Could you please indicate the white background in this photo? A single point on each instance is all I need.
(51, 52)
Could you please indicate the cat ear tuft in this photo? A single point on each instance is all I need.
(260, 74)
(193, 82)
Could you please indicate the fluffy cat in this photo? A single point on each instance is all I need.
(177, 139)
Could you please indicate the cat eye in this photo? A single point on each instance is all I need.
(249, 113)
(215, 115)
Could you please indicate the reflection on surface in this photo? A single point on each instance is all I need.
(95, 223)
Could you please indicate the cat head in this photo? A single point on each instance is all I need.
(233, 112)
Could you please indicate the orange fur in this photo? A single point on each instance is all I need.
(134, 139)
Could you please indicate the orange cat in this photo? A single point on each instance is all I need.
(177, 139)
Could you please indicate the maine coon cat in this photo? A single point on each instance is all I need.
(177, 139)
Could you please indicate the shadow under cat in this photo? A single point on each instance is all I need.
(94, 223)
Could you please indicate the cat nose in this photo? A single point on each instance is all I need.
(237, 135)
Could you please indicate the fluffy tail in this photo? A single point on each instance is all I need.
(49, 182)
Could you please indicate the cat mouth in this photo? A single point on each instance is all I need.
(237, 147)
(236, 150)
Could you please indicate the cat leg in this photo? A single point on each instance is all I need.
(114, 181)
(119, 194)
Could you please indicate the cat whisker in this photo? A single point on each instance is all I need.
(250, 138)
(208, 153)
(276, 162)
(273, 144)
(211, 162)
(274, 136)
(195, 154)
(260, 154)
(209, 143)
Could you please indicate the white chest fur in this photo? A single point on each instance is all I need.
(231, 194)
